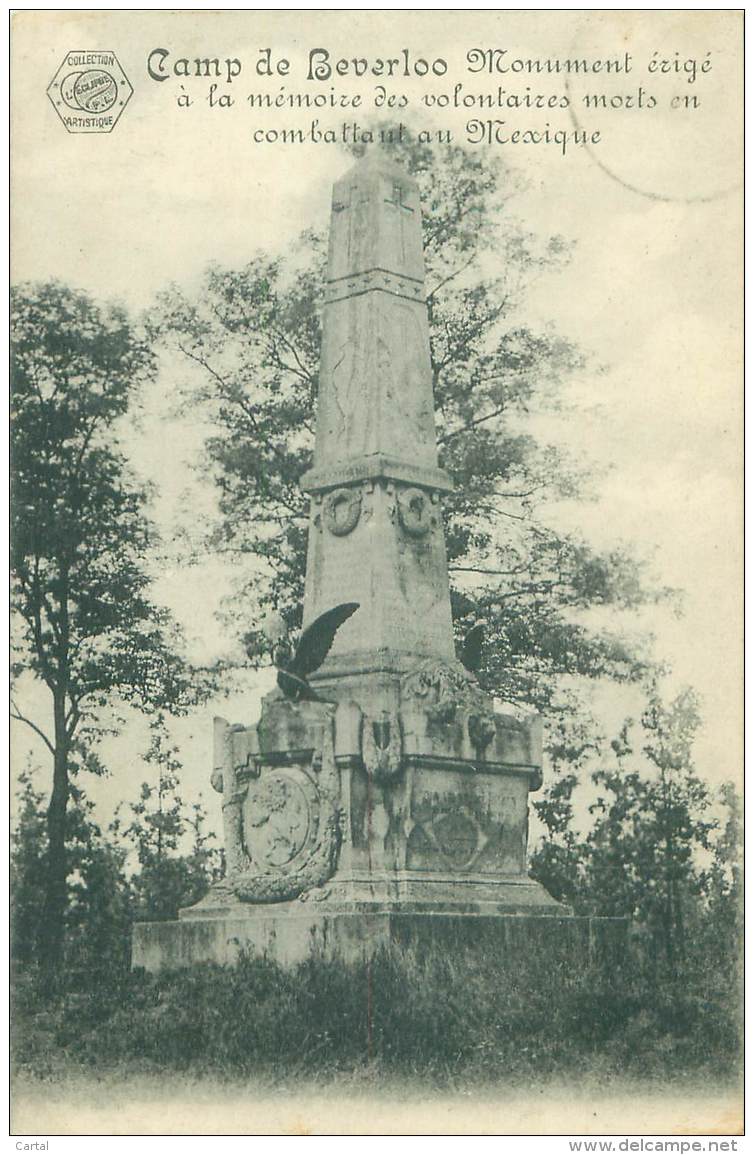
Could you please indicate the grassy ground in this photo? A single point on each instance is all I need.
(401, 1030)
(429, 1016)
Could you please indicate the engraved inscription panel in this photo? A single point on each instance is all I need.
(473, 824)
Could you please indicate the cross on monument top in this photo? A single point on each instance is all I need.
(376, 222)
(397, 203)
(397, 200)
(353, 199)
(354, 205)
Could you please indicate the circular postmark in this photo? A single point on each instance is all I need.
(667, 102)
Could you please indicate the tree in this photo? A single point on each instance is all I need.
(167, 879)
(651, 824)
(251, 338)
(27, 875)
(98, 912)
(655, 851)
(97, 908)
(723, 883)
(87, 628)
(558, 861)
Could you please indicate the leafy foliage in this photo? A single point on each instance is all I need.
(168, 878)
(558, 861)
(644, 847)
(723, 887)
(250, 341)
(97, 899)
(27, 866)
(654, 851)
(87, 628)
(147, 868)
(80, 536)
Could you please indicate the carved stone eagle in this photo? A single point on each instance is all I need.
(311, 651)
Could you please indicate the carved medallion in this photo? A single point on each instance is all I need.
(277, 819)
(458, 838)
(415, 511)
(341, 510)
(283, 830)
(449, 839)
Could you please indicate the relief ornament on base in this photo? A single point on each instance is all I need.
(284, 828)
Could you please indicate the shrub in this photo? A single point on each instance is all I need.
(469, 1015)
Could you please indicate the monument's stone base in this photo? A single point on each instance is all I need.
(288, 937)
(391, 807)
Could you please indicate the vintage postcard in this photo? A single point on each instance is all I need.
(377, 573)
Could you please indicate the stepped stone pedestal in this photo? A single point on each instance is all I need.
(396, 808)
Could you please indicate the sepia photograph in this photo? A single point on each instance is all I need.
(377, 573)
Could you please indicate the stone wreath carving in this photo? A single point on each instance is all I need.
(279, 826)
(414, 511)
(444, 690)
(341, 510)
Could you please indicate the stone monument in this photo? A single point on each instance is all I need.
(397, 805)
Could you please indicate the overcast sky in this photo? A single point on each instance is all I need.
(653, 290)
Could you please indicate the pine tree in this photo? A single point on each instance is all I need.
(171, 874)
(722, 926)
(99, 907)
(28, 841)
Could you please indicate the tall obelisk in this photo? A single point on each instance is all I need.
(395, 802)
(376, 534)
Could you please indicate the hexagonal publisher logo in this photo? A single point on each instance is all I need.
(89, 91)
